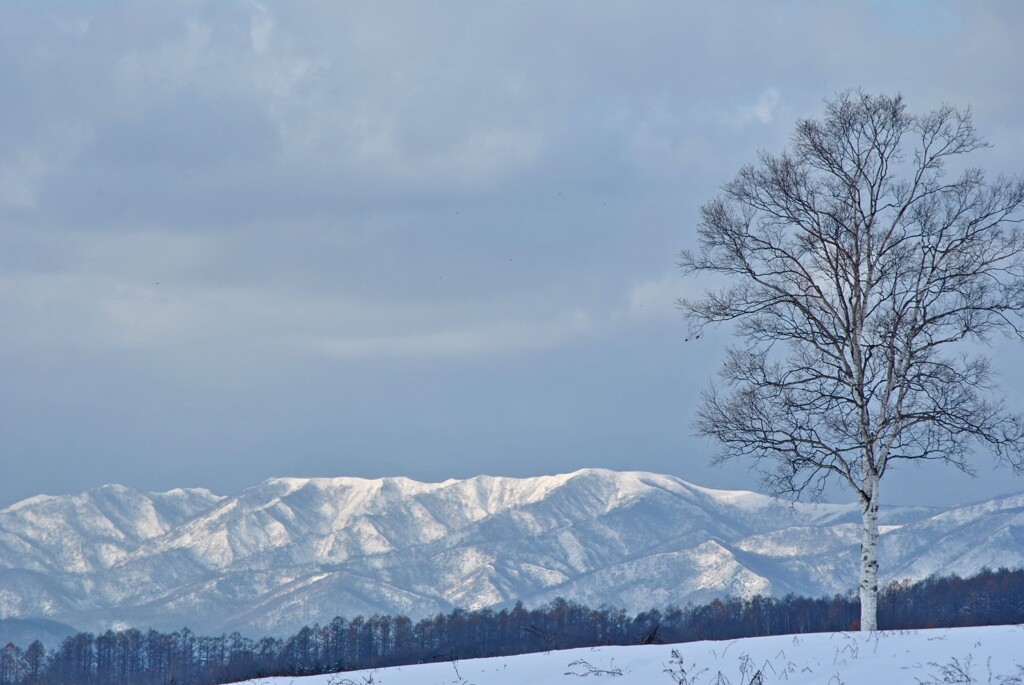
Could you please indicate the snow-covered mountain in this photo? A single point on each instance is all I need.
(292, 551)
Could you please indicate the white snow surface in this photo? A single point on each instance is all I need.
(992, 654)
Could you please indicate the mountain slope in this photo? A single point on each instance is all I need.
(291, 551)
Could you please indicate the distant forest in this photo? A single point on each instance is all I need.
(132, 657)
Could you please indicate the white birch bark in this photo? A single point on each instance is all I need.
(869, 557)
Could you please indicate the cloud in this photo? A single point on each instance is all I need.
(261, 29)
(19, 174)
(97, 312)
(70, 25)
(169, 65)
(497, 337)
(475, 161)
(77, 311)
(656, 298)
(761, 112)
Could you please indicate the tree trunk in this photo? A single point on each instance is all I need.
(869, 559)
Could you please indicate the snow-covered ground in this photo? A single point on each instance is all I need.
(989, 655)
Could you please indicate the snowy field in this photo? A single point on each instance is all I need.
(989, 656)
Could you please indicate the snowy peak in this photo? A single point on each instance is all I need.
(292, 551)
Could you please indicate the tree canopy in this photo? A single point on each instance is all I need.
(863, 276)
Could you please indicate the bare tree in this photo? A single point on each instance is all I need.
(861, 278)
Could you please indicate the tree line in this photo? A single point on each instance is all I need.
(133, 657)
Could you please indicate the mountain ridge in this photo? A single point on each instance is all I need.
(291, 551)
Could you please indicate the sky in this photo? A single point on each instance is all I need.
(241, 240)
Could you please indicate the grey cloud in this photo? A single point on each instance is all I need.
(442, 234)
